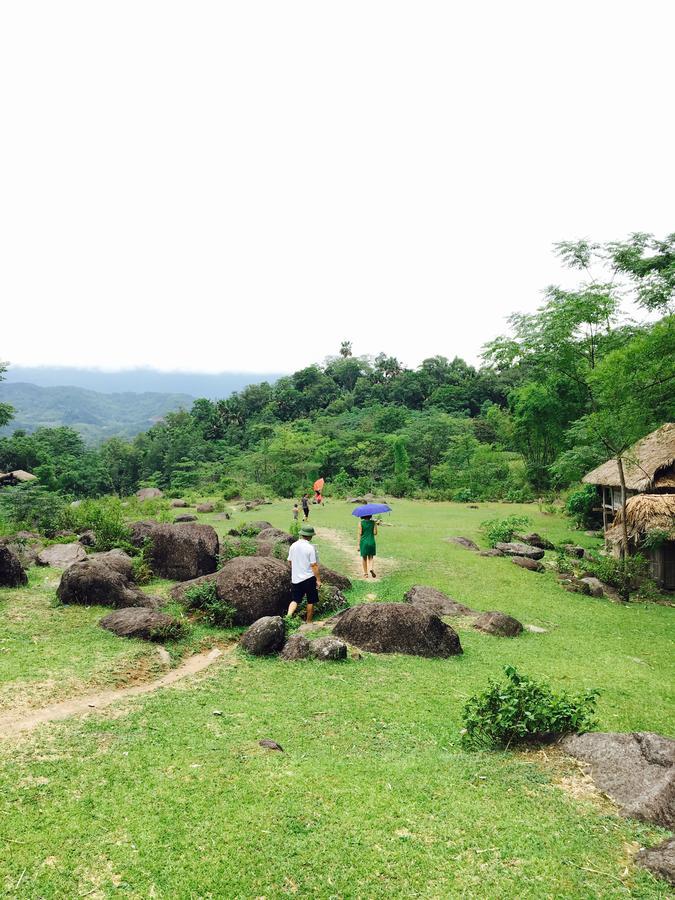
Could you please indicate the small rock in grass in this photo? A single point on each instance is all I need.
(659, 860)
(532, 565)
(499, 624)
(265, 636)
(467, 543)
(328, 648)
(271, 745)
(296, 647)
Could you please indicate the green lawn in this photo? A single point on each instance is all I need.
(373, 795)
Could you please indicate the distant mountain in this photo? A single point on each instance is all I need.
(195, 384)
(94, 415)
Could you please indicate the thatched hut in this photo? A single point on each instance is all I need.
(18, 476)
(649, 471)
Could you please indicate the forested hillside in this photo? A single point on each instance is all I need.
(576, 382)
(93, 415)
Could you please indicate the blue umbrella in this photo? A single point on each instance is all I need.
(371, 509)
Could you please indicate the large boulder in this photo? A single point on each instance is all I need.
(136, 622)
(435, 601)
(659, 860)
(595, 586)
(516, 548)
(397, 628)
(328, 576)
(149, 494)
(61, 556)
(255, 586)
(11, 571)
(268, 538)
(185, 517)
(465, 542)
(296, 647)
(532, 565)
(118, 560)
(179, 504)
(87, 538)
(182, 552)
(498, 623)
(535, 540)
(328, 648)
(265, 636)
(637, 770)
(205, 507)
(141, 531)
(259, 525)
(92, 582)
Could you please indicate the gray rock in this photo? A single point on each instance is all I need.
(516, 548)
(499, 624)
(467, 543)
(205, 507)
(296, 647)
(328, 648)
(149, 494)
(265, 636)
(435, 601)
(491, 552)
(182, 552)
(179, 504)
(185, 517)
(118, 560)
(260, 525)
(532, 565)
(573, 550)
(87, 538)
(659, 860)
(136, 622)
(92, 582)
(329, 576)
(595, 588)
(397, 628)
(637, 770)
(141, 531)
(61, 556)
(11, 571)
(535, 540)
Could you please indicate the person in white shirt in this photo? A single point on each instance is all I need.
(305, 578)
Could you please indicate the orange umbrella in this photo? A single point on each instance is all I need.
(318, 484)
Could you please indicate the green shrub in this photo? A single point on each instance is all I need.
(519, 495)
(625, 575)
(655, 538)
(523, 710)
(234, 548)
(174, 631)
(563, 563)
(31, 507)
(580, 504)
(142, 571)
(280, 551)
(204, 598)
(465, 495)
(247, 529)
(294, 529)
(105, 517)
(502, 530)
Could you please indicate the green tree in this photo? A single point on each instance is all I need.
(6, 411)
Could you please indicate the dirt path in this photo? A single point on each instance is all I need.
(383, 564)
(14, 724)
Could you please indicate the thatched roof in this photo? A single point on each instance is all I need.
(644, 513)
(16, 477)
(647, 461)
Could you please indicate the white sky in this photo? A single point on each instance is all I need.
(242, 185)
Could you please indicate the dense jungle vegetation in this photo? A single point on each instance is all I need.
(568, 386)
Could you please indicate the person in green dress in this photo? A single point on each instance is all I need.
(367, 548)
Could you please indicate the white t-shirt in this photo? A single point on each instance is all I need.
(301, 555)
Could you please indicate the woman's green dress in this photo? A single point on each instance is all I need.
(367, 543)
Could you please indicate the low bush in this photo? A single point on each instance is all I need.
(580, 504)
(465, 495)
(105, 517)
(236, 547)
(523, 710)
(625, 575)
(501, 530)
(174, 631)
(204, 599)
(31, 507)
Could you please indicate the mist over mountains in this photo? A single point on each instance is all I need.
(196, 384)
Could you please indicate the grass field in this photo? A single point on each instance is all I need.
(373, 796)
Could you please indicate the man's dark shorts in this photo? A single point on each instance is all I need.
(306, 587)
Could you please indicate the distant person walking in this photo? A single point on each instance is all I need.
(305, 578)
(296, 512)
(367, 547)
(305, 506)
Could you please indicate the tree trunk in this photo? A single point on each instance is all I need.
(624, 524)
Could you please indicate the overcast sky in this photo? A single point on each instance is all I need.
(242, 185)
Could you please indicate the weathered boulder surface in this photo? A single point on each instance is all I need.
(268, 538)
(183, 552)
(516, 548)
(118, 560)
(397, 628)
(573, 550)
(498, 623)
(11, 571)
(61, 555)
(659, 860)
(260, 524)
(135, 622)
(27, 553)
(435, 601)
(141, 531)
(87, 538)
(266, 635)
(467, 543)
(185, 517)
(329, 576)
(205, 507)
(637, 770)
(525, 562)
(595, 587)
(255, 586)
(92, 582)
(535, 540)
(149, 493)
(491, 552)
(573, 584)
(327, 648)
(296, 647)
(179, 504)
